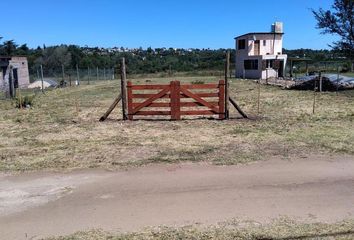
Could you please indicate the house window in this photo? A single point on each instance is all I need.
(270, 64)
(251, 64)
(264, 43)
(241, 44)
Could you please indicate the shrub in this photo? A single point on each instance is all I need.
(25, 101)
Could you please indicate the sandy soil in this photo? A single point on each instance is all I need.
(46, 204)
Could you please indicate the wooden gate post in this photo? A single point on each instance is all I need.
(175, 100)
(130, 101)
(227, 69)
(124, 89)
(222, 99)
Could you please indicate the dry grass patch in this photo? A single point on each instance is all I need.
(62, 131)
(284, 229)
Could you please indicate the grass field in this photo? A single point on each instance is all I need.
(284, 229)
(62, 131)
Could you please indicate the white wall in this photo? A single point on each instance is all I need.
(248, 73)
(274, 46)
(269, 73)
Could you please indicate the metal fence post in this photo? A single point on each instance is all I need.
(42, 78)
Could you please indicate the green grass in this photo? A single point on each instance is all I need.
(62, 131)
(284, 229)
(349, 74)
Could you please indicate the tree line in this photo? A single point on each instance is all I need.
(138, 60)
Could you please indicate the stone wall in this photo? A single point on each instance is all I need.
(21, 64)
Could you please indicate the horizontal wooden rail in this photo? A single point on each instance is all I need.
(182, 104)
(201, 86)
(199, 112)
(194, 112)
(149, 95)
(187, 86)
(148, 87)
(150, 113)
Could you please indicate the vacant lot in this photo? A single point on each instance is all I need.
(62, 131)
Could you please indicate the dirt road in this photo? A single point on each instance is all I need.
(311, 189)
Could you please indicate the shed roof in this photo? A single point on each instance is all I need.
(259, 33)
(10, 57)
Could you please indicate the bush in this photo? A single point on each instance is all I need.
(25, 101)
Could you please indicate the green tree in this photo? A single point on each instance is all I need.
(23, 50)
(340, 22)
(8, 48)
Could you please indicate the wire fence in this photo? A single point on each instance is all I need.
(301, 68)
(69, 76)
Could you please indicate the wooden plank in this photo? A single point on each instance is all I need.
(201, 86)
(130, 101)
(151, 99)
(197, 104)
(182, 104)
(178, 100)
(238, 108)
(202, 95)
(174, 95)
(147, 113)
(175, 100)
(149, 95)
(222, 99)
(110, 109)
(157, 105)
(198, 112)
(198, 99)
(149, 87)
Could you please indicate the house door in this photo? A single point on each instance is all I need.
(281, 69)
(15, 74)
(257, 46)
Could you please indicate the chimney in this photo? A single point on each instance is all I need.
(277, 27)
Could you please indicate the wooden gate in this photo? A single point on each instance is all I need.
(175, 99)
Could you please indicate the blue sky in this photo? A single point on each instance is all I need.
(159, 23)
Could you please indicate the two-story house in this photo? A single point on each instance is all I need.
(259, 55)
